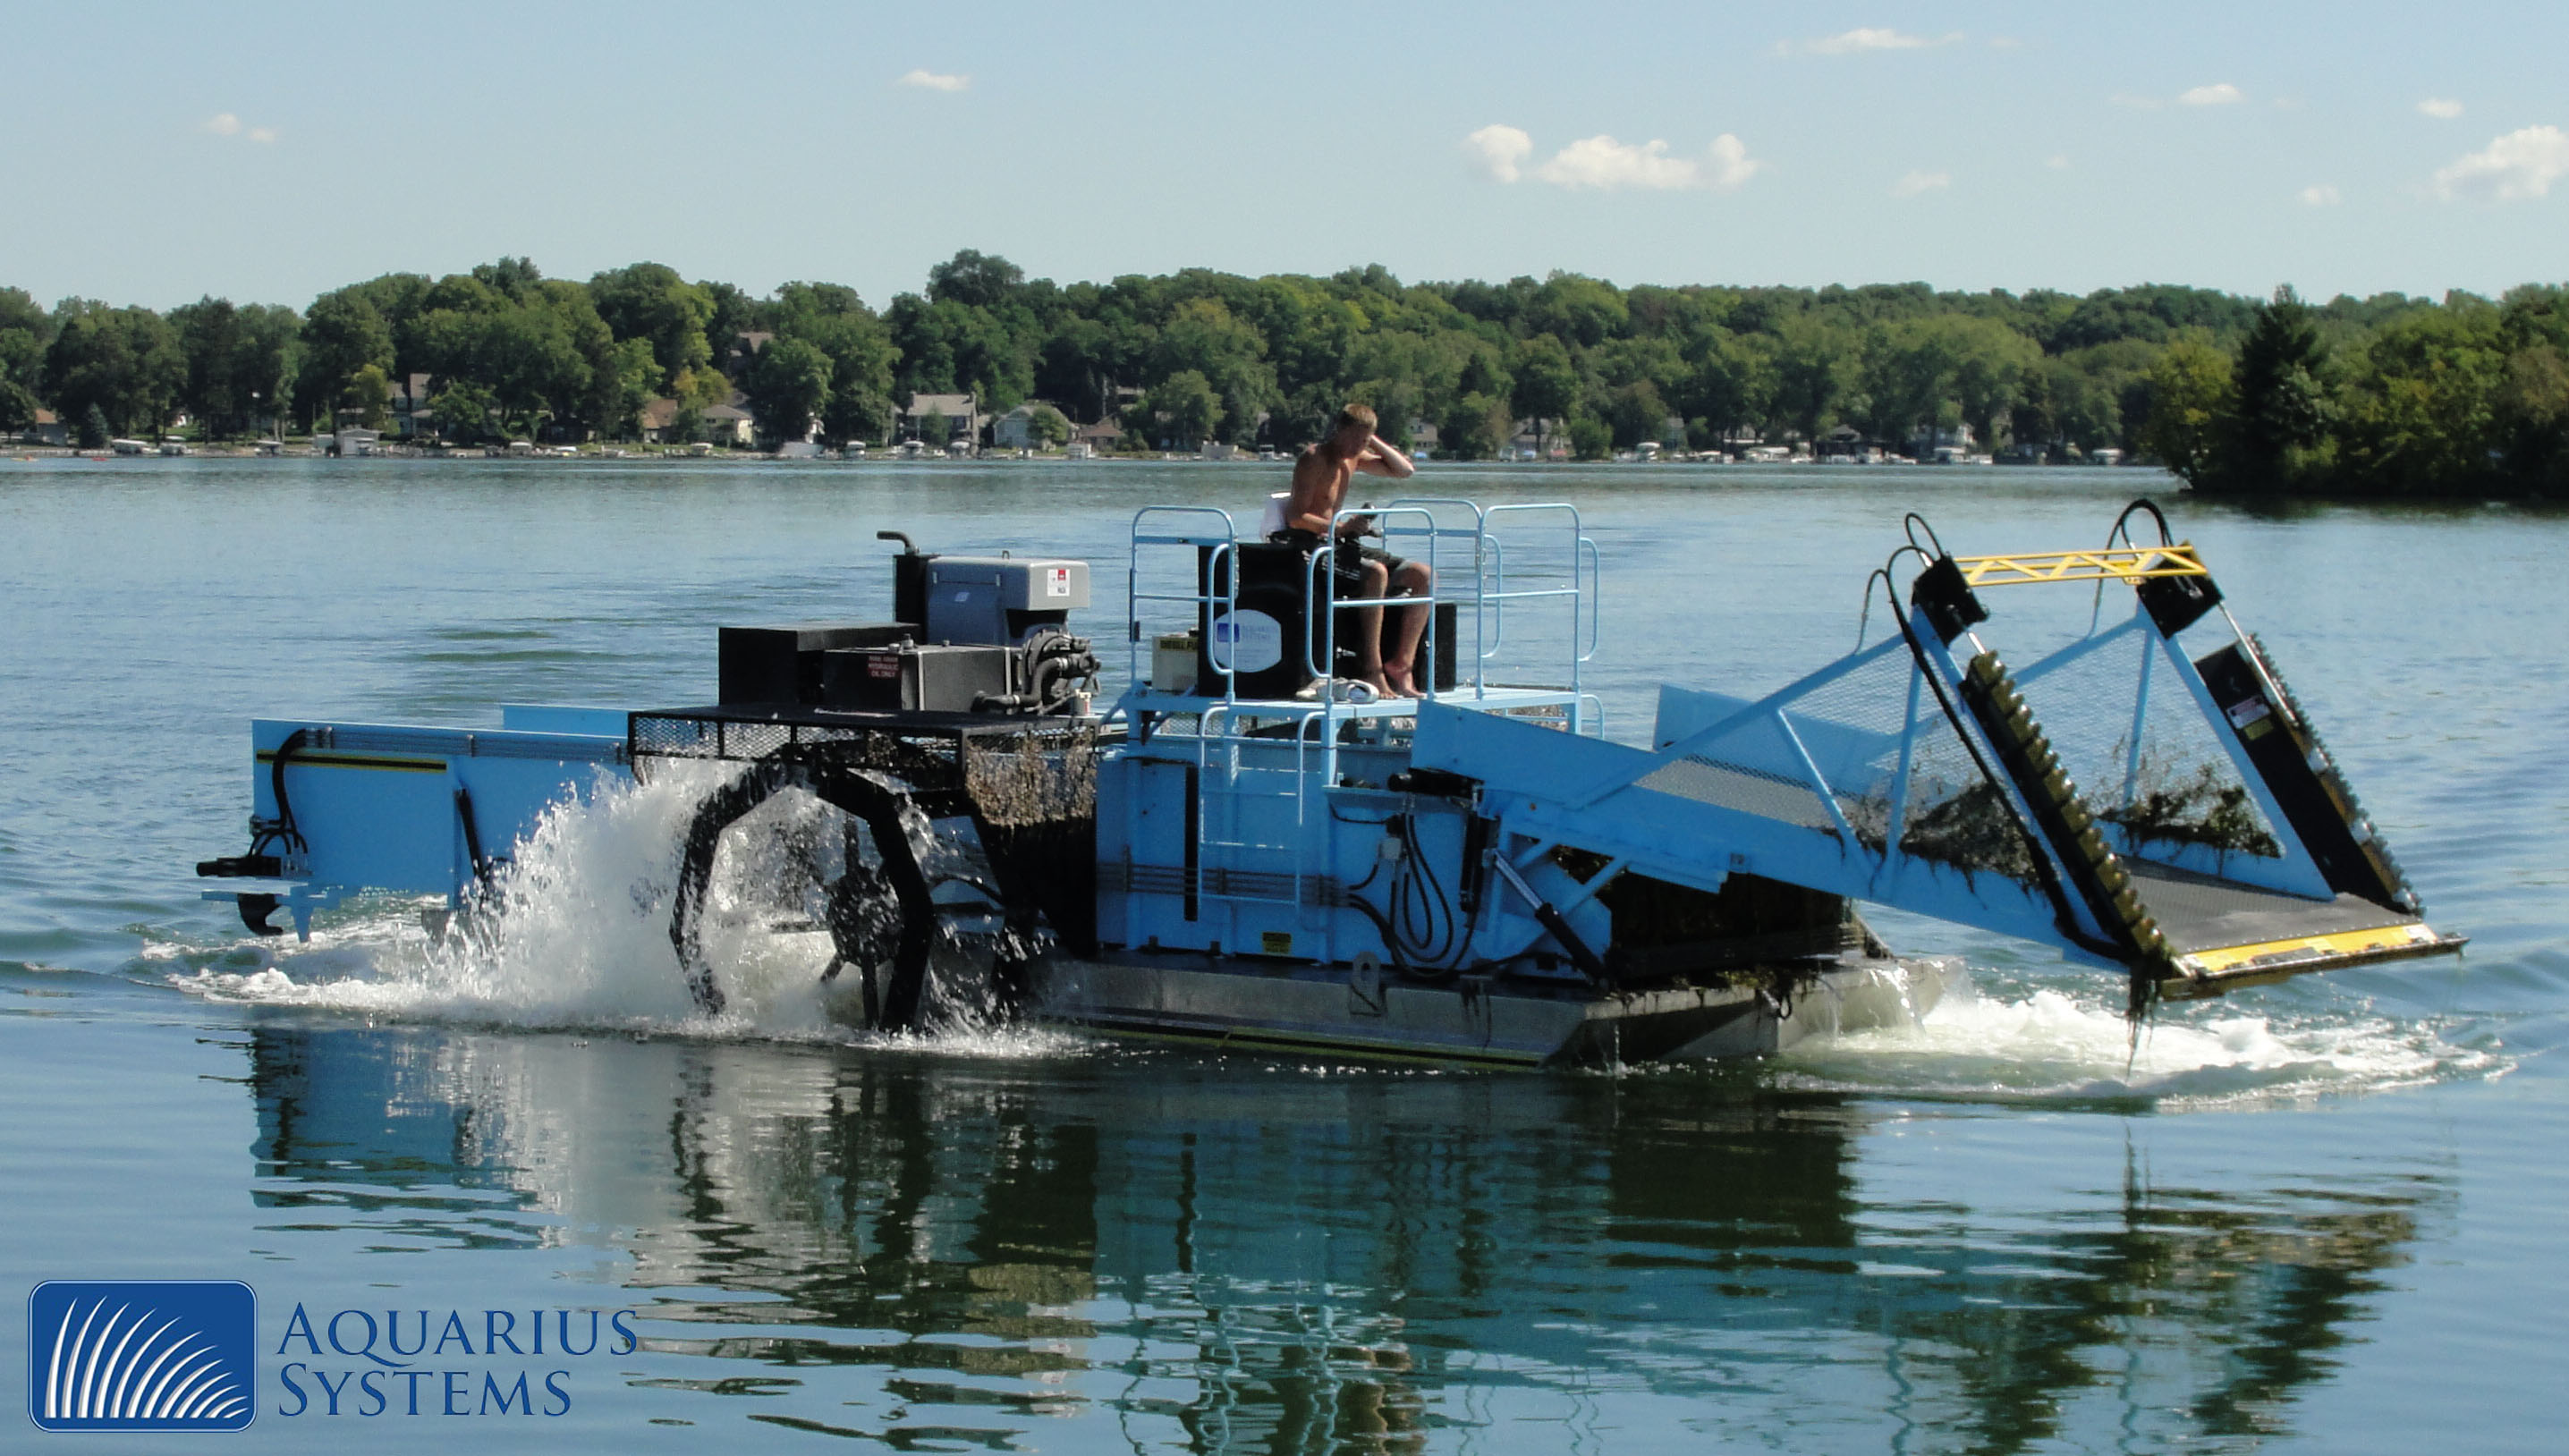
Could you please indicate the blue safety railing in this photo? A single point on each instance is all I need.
(1431, 531)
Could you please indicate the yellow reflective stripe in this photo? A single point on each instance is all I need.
(2128, 564)
(2343, 942)
(354, 761)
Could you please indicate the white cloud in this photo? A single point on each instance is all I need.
(1607, 164)
(223, 124)
(2057, 163)
(263, 134)
(931, 80)
(1875, 37)
(1731, 166)
(2220, 93)
(1914, 183)
(1498, 149)
(2321, 195)
(2520, 165)
(2440, 110)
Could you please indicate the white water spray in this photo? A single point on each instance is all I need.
(2047, 1044)
(575, 934)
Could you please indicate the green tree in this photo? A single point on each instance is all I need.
(1906, 374)
(2421, 414)
(2279, 436)
(835, 321)
(974, 280)
(1636, 413)
(2532, 419)
(342, 333)
(1731, 383)
(1049, 427)
(1475, 427)
(1589, 437)
(210, 335)
(127, 363)
(621, 386)
(268, 359)
(1203, 338)
(1547, 382)
(515, 278)
(24, 333)
(650, 302)
(1814, 363)
(368, 395)
(463, 411)
(1990, 360)
(17, 407)
(2191, 399)
(1182, 409)
(1579, 310)
(787, 388)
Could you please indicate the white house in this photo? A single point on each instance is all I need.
(1016, 430)
(730, 425)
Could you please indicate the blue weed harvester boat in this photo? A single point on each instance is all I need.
(1241, 851)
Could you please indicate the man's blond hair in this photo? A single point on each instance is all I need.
(1357, 414)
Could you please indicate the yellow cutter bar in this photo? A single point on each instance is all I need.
(2129, 564)
(2210, 972)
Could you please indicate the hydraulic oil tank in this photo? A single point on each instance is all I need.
(1000, 600)
(782, 663)
(914, 679)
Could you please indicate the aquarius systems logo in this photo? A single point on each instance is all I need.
(142, 1355)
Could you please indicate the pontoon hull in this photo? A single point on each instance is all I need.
(1239, 1005)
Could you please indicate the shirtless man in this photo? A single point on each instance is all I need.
(1360, 572)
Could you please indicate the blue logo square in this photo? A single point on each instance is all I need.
(142, 1355)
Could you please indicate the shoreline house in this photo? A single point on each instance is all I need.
(49, 428)
(731, 425)
(409, 413)
(660, 422)
(1016, 430)
(1099, 437)
(960, 412)
(1555, 440)
(726, 424)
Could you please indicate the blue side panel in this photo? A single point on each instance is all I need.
(378, 805)
(1548, 785)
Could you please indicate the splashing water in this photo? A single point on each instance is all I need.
(2050, 1045)
(575, 934)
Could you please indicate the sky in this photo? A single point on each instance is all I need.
(269, 153)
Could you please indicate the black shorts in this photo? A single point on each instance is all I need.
(1346, 560)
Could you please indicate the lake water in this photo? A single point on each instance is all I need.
(2321, 1216)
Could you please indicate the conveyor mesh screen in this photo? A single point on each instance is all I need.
(2181, 788)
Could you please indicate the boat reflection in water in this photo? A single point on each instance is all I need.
(948, 1251)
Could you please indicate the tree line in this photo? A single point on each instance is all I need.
(2467, 400)
(2231, 391)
